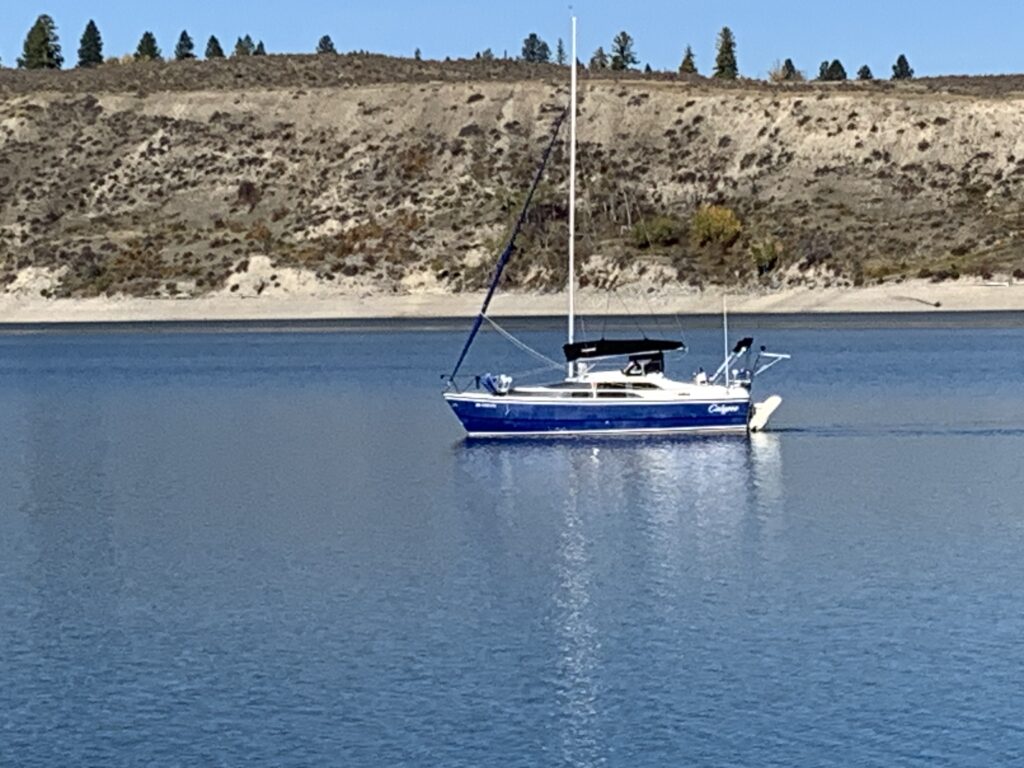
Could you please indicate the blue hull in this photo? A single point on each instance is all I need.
(500, 416)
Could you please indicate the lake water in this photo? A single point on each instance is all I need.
(272, 547)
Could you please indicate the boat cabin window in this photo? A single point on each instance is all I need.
(567, 385)
(606, 386)
(615, 389)
(641, 365)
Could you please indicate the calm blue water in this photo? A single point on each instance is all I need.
(274, 549)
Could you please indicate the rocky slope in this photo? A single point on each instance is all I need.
(368, 174)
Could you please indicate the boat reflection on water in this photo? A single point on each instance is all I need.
(718, 478)
(611, 528)
(766, 471)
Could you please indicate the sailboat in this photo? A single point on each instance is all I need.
(611, 386)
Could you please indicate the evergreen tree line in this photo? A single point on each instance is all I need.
(622, 56)
(727, 68)
(834, 71)
(42, 50)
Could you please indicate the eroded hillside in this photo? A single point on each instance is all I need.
(374, 174)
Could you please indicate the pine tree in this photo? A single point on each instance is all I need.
(725, 61)
(325, 45)
(560, 56)
(244, 46)
(213, 49)
(647, 69)
(535, 50)
(901, 70)
(90, 49)
(185, 49)
(148, 50)
(487, 54)
(599, 60)
(832, 71)
(623, 56)
(689, 63)
(42, 46)
(864, 73)
(418, 54)
(261, 50)
(789, 71)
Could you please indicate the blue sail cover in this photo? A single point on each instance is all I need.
(511, 245)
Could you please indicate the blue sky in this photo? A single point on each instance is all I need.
(938, 37)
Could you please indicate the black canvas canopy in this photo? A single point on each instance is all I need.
(588, 350)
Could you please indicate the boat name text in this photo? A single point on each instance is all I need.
(723, 409)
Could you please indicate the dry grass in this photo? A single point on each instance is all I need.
(395, 168)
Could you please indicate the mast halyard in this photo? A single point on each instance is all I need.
(572, 196)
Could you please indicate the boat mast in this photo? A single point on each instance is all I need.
(572, 195)
(725, 338)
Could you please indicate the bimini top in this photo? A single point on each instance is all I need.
(588, 350)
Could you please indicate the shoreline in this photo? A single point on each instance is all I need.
(910, 297)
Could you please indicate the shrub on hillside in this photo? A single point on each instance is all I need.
(715, 225)
(656, 230)
(765, 253)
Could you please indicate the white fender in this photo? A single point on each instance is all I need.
(762, 412)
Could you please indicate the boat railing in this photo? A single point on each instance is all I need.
(744, 375)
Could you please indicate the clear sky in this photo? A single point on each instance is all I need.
(939, 37)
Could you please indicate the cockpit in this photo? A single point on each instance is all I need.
(643, 365)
